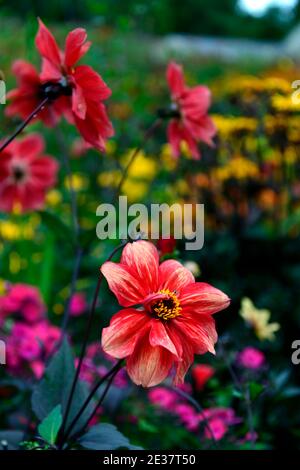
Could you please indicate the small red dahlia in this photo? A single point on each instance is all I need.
(190, 123)
(25, 174)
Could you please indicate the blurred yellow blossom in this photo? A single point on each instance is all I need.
(53, 198)
(79, 182)
(238, 167)
(259, 320)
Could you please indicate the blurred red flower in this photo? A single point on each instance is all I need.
(190, 122)
(201, 374)
(75, 91)
(30, 93)
(173, 321)
(25, 174)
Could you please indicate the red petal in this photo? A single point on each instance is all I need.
(158, 336)
(202, 298)
(47, 45)
(174, 137)
(94, 88)
(175, 79)
(142, 258)
(30, 146)
(120, 338)
(128, 290)
(199, 331)
(79, 106)
(174, 276)
(76, 46)
(147, 365)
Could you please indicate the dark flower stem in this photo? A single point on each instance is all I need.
(198, 407)
(22, 126)
(85, 340)
(149, 133)
(110, 375)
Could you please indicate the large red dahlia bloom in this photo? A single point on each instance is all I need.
(25, 174)
(167, 316)
(190, 123)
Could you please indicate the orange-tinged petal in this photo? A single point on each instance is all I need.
(202, 298)
(128, 290)
(158, 336)
(148, 365)
(142, 258)
(174, 276)
(120, 337)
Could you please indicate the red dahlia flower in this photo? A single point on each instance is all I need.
(190, 122)
(75, 91)
(167, 316)
(25, 174)
(30, 93)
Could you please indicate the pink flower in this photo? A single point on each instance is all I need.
(219, 419)
(188, 416)
(26, 174)
(217, 429)
(28, 346)
(173, 321)
(78, 304)
(23, 300)
(201, 373)
(190, 122)
(163, 397)
(251, 358)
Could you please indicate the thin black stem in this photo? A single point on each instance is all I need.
(147, 136)
(198, 407)
(24, 123)
(85, 340)
(112, 373)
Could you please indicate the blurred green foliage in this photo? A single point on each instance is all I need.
(205, 17)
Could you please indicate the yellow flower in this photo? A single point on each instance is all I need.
(53, 198)
(135, 190)
(2, 286)
(109, 179)
(143, 167)
(284, 103)
(79, 182)
(238, 167)
(259, 320)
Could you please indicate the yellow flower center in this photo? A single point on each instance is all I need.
(167, 308)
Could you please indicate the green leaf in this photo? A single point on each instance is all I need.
(50, 426)
(10, 440)
(105, 437)
(255, 390)
(55, 386)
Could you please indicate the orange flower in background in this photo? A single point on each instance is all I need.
(167, 316)
(190, 123)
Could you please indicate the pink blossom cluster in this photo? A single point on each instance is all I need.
(31, 338)
(216, 421)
